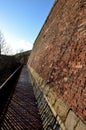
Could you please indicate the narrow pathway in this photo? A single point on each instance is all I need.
(22, 113)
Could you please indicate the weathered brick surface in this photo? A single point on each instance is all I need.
(59, 53)
(71, 121)
(80, 126)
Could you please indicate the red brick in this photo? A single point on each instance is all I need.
(61, 47)
(84, 113)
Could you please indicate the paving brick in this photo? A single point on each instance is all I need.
(22, 112)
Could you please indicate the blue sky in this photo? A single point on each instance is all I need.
(21, 21)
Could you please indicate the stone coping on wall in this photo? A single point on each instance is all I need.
(65, 116)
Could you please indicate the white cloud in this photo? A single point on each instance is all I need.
(21, 44)
(17, 44)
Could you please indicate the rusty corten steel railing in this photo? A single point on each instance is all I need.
(6, 90)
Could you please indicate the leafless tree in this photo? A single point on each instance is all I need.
(4, 47)
(2, 42)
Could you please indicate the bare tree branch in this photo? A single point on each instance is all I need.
(4, 47)
(2, 42)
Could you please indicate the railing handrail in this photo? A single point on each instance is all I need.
(10, 77)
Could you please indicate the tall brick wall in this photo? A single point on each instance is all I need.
(59, 53)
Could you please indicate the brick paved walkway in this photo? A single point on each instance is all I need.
(22, 113)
